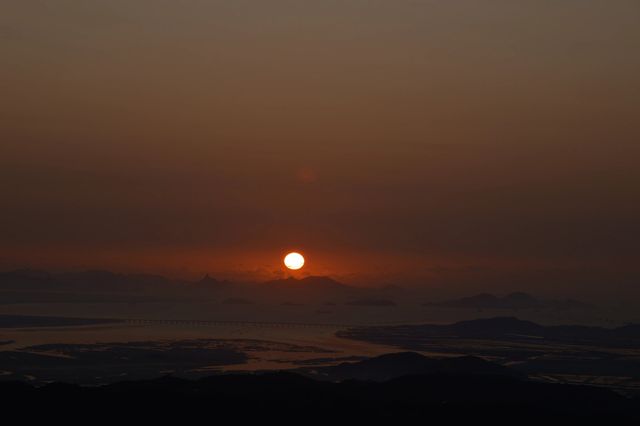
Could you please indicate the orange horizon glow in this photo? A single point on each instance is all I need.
(410, 143)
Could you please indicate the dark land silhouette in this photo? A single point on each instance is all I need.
(594, 356)
(287, 397)
(97, 286)
(517, 300)
(509, 328)
(493, 368)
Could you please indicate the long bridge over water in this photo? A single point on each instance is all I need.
(232, 323)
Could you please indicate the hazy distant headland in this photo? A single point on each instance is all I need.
(36, 286)
(517, 300)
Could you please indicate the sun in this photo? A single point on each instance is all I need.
(294, 261)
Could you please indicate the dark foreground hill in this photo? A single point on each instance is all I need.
(568, 353)
(394, 365)
(287, 398)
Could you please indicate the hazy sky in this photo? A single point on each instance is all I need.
(388, 140)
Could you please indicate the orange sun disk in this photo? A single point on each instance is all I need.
(294, 261)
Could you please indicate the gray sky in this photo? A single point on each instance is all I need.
(385, 139)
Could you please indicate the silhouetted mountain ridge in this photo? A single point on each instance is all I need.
(516, 300)
(509, 328)
(310, 282)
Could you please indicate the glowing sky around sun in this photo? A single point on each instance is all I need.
(455, 137)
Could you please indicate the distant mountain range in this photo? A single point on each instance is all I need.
(34, 286)
(307, 283)
(97, 280)
(517, 300)
(415, 337)
(308, 289)
(94, 286)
